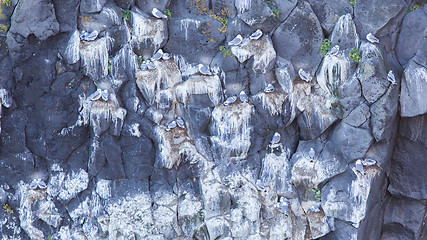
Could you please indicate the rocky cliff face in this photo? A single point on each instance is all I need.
(219, 119)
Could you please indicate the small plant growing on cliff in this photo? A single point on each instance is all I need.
(109, 64)
(168, 14)
(7, 208)
(317, 193)
(354, 54)
(126, 14)
(416, 6)
(325, 47)
(276, 12)
(225, 51)
(8, 3)
(352, 2)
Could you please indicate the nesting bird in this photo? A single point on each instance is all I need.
(359, 166)
(391, 78)
(157, 56)
(256, 35)
(304, 75)
(144, 66)
(230, 100)
(236, 41)
(334, 50)
(180, 122)
(37, 184)
(259, 184)
(86, 36)
(315, 208)
(367, 162)
(150, 65)
(158, 14)
(276, 138)
(283, 205)
(204, 70)
(243, 97)
(105, 95)
(171, 126)
(96, 95)
(270, 88)
(311, 154)
(166, 56)
(371, 38)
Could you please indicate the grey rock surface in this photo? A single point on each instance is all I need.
(100, 139)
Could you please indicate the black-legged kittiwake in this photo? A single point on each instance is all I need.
(270, 88)
(283, 205)
(180, 122)
(371, 38)
(157, 56)
(256, 35)
(86, 36)
(276, 138)
(150, 65)
(304, 75)
(171, 126)
(144, 66)
(311, 154)
(158, 14)
(359, 166)
(105, 95)
(236, 41)
(243, 97)
(391, 78)
(315, 208)
(204, 70)
(367, 162)
(37, 183)
(230, 100)
(166, 56)
(96, 95)
(334, 50)
(259, 184)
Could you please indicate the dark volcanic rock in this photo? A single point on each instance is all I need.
(406, 176)
(298, 39)
(34, 17)
(66, 14)
(328, 12)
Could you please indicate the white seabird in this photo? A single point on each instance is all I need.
(150, 65)
(391, 78)
(236, 41)
(315, 208)
(144, 66)
(96, 95)
(304, 75)
(283, 205)
(166, 56)
(311, 153)
(371, 38)
(180, 122)
(269, 88)
(171, 126)
(158, 14)
(359, 166)
(37, 183)
(230, 100)
(86, 36)
(243, 97)
(259, 184)
(334, 50)
(105, 95)
(204, 70)
(157, 56)
(276, 138)
(256, 35)
(367, 162)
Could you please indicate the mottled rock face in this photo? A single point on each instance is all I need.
(220, 119)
